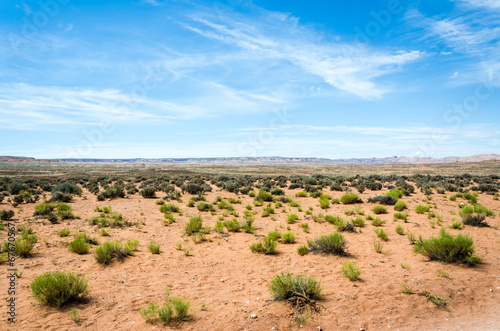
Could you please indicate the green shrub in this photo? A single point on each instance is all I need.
(449, 249)
(105, 253)
(154, 247)
(131, 246)
(359, 222)
(305, 227)
(267, 246)
(302, 250)
(219, 227)
(181, 307)
(264, 196)
(287, 286)
(420, 209)
(149, 313)
(385, 199)
(377, 221)
(194, 225)
(169, 208)
(333, 243)
(292, 218)
(301, 194)
(56, 288)
(6, 215)
(400, 230)
(25, 246)
(166, 314)
(401, 216)
(378, 246)
(232, 226)
(381, 234)
(350, 198)
(63, 232)
(350, 270)
(456, 224)
(379, 209)
(79, 246)
(148, 192)
(169, 219)
(268, 210)
(275, 235)
(400, 206)
(204, 206)
(288, 238)
(324, 203)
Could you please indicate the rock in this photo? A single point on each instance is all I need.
(253, 316)
(222, 280)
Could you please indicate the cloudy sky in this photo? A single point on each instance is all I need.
(160, 78)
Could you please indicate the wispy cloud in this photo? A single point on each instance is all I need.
(351, 68)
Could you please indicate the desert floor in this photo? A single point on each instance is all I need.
(227, 283)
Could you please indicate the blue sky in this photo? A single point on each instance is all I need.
(153, 78)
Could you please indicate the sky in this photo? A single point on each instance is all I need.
(240, 78)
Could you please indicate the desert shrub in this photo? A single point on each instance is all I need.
(169, 208)
(23, 247)
(232, 226)
(305, 227)
(384, 199)
(154, 247)
(448, 249)
(400, 230)
(267, 246)
(86, 237)
(131, 246)
(181, 307)
(333, 243)
(288, 238)
(194, 225)
(264, 196)
(287, 286)
(150, 312)
(456, 224)
(378, 246)
(420, 209)
(79, 246)
(350, 270)
(350, 198)
(345, 227)
(381, 234)
(292, 218)
(377, 221)
(359, 222)
(63, 232)
(400, 206)
(219, 227)
(301, 194)
(302, 250)
(401, 216)
(204, 206)
(268, 210)
(248, 224)
(324, 203)
(149, 192)
(379, 209)
(6, 215)
(105, 253)
(335, 220)
(274, 235)
(56, 288)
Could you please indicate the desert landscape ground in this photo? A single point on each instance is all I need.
(212, 265)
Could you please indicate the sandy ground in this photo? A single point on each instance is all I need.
(227, 283)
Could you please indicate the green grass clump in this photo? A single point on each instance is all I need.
(169, 208)
(420, 209)
(24, 247)
(400, 230)
(448, 249)
(379, 209)
(194, 225)
(232, 226)
(400, 206)
(378, 246)
(131, 246)
(287, 286)
(288, 238)
(381, 234)
(219, 227)
(267, 246)
(302, 250)
(268, 210)
(350, 198)
(105, 253)
(79, 246)
(274, 235)
(305, 227)
(63, 232)
(324, 203)
(205, 206)
(359, 222)
(377, 221)
(401, 216)
(334, 220)
(154, 247)
(56, 288)
(456, 224)
(333, 243)
(351, 271)
(292, 218)
(150, 313)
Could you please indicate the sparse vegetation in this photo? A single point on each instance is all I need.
(350, 270)
(56, 288)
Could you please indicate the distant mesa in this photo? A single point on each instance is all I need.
(268, 160)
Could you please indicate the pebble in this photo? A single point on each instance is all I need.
(222, 280)
(253, 316)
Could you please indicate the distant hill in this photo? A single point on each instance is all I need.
(270, 160)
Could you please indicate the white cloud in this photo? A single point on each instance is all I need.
(491, 4)
(280, 37)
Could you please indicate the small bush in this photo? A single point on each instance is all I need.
(63, 232)
(456, 224)
(377, 221)
(79, 246)
(379, 209)
(194, 225)
(400, 206)
(56, 288)
(381, 234)
(154, 247)
(131, 246)
(105, 253)
(401, 216)
(6, 215)
(350, 198)
(420, 209)
(149, 313)
(449, 249)
(292, 218)
(288, 238)
(400, 230)
(169, 208)
(302, 250)
(232, 226)
(378, 246)
(333, 243)
(385, 199)
(324, 203)
(351, 271)
(286, 286)
(267, 246)
(181, 307)
(148, 192)
(359, 222)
